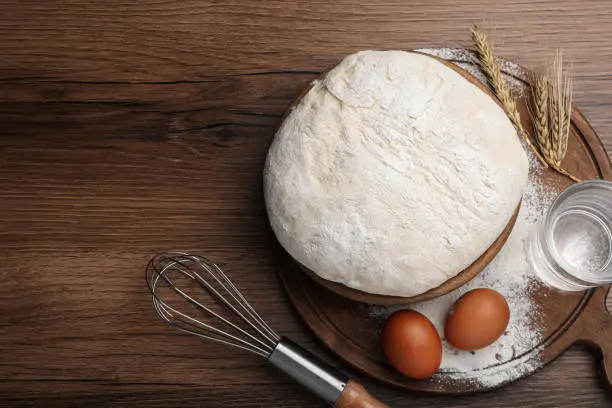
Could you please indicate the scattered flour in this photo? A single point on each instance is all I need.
(516, 353)
(449, 54)
(468, 61)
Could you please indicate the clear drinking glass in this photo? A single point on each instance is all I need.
(572, 248)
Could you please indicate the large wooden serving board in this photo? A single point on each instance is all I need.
(349, 330)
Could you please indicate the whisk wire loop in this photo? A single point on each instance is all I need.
(213, 280)
(253, 319)
(213, 292)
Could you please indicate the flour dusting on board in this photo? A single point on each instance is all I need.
(510, 274)
(514, 74)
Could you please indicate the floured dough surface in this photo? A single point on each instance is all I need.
(393, 174)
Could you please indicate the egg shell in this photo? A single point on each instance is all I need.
(477, 319)
(412, 344)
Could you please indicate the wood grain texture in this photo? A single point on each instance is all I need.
(131, 127)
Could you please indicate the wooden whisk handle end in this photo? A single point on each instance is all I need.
(355, 396)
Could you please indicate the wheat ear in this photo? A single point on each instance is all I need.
(560, 112)
(539, 111)
(551, 109)
(499, 85)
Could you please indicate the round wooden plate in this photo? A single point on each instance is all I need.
(351, 331)
(451, 284)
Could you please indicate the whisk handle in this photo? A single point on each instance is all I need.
(320, 378)
(355, 396)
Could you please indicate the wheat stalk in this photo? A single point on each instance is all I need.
(556, 119)
(499, 85)
(560, 107)
(563, 95)
(539, 111)
(551, 114)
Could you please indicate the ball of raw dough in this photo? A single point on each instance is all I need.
(392, 174)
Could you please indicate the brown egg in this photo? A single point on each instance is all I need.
(412, 344)
(477, 319)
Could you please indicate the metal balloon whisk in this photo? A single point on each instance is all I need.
(193, 294)
(173, 268)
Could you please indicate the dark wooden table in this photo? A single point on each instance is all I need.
(129, 127)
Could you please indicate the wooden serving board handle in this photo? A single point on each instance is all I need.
(595, 330)
(355, 396)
